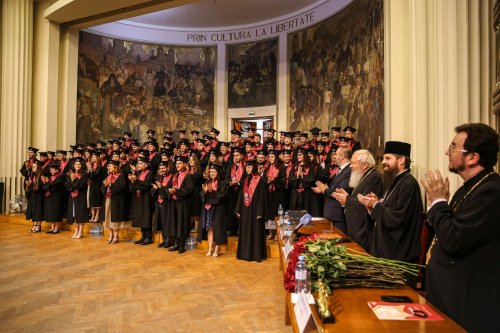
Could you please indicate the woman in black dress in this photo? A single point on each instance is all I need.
(213, 210)
(53, 187)
(250, 210)
(76, 184)
(302, 178)
(34, 193)
(95, 172)
(114, 188)
(274, 177)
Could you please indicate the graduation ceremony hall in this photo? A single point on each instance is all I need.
(249, 166)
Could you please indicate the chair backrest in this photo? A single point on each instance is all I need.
(425, 242)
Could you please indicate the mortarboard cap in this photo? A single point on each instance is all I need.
(33, 149)
(336, 128)
(214, 130)
(183, 159)
(349, 129)
(315, 131)
(235, 132)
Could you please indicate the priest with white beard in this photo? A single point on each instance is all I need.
(364, 179)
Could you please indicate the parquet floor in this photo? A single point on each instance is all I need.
(51, 283)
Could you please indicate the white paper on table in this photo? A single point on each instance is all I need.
(310, 298)
(302, 311)
(318, 218)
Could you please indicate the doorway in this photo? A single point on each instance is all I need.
(261, 125)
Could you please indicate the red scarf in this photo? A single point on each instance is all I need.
(249, 189)
(110, 178)
(151, 155)
(226, 157)
(141, 177)
(51, 180)
(163, 181)
(288, 169)
(63, 165)
(177, 181)
(333, 170)
(74, 193)
(214, 143)
(236, 174)
(213, 185)
(272, 171)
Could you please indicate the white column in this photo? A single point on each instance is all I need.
(15, 119)
(283, 94)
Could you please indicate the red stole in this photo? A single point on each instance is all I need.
(288, 169)
(63, 165)
(163, 181)
(177, 181)
(214, 143)
(141, 177)
(213, 186)
(110, 178)
(236, 174)
(51, 180)
(74, 193)
(272, 171)
(152, 155)
(249, 189)
(226, 157)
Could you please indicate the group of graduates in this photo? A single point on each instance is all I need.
(222, 188)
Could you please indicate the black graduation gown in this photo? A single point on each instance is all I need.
(358, 220)
(142, 205)
(180, 224)
(463, 276)
(35, 201)
(274, 194)
(95, 181)
(77, 207)
(218, 201)
(305, 200)
(232, 197)
(161, 210)
(397, 230)
(195, 198)
(252, 235)
(119, 191)
(53, 202)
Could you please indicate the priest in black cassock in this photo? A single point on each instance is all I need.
(463, 274)
(397, 229)
(250, 210)
(364, 179)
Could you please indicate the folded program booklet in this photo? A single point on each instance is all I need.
(403, 311)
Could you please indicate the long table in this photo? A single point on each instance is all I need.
(350, 305)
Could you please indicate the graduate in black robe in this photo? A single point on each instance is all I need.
(274, 178)
(76, 184)
(234, 175)
(213, 213)
(96, 174)
(34, 196)
(180, 188)
(364, 179)
(287, 166)
(115, 190)
(463, 272)
(250, 210)
(398, 226)
(302, 179)
(142, 206)
(194, 168)
(53, 187)
(162, 202)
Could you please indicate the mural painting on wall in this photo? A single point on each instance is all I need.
(251, 71)
(337, 73)
(132, 86)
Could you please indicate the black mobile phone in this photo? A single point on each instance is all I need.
(396, 299)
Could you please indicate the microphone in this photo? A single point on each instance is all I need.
(304, 220)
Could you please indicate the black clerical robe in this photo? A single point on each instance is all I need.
(463, 276)
(359, 221)
(398, 227)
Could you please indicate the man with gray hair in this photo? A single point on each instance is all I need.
(364, 179)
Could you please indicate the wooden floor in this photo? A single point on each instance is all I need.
(51, 283)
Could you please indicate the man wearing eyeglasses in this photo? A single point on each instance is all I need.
(463, 274)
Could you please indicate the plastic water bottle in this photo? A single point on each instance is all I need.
(301, 283)
(288, 232)
(92, 231)
(280, 215)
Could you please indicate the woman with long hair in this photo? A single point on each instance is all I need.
(274, 177)
(76, 184)
(213, 211)
(95, 172)
(302, 179)
(54, 191)
(195, 169)
(34, 191)
(250, 210)
(114, 188)
(212, 159)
